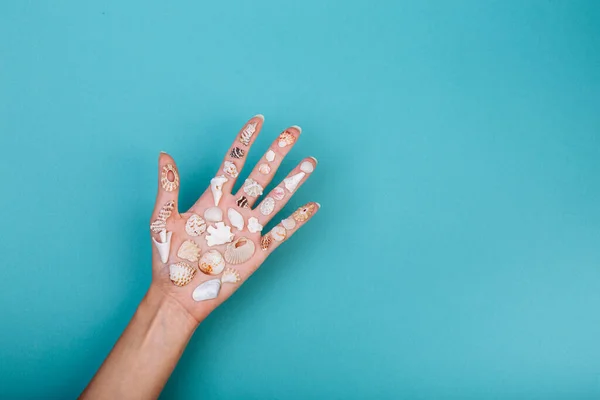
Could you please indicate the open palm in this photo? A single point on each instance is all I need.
(202, 256)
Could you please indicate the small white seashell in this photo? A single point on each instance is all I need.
(169, 178)
(270, 156)
(292, 182)
(230, 169)
(189, 250)
(278, 233)
(288, 223)
(219, 234)
(216, 187)
(207, 290)
(213, 214)
(285, 139)
(247, 133)
(195, 225)
(160, 223)
(230, 276)
(163, 244)
(264, 169)
(253, 225)
(211, 263)
(267, 206)
(278, 193)
(307, 167)
(235, 219)
(252, 188)
(241, 250)
(181, 273)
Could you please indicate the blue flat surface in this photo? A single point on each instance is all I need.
(457, 252)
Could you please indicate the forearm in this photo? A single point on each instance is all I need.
(147, 352)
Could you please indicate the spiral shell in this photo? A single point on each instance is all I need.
(181, 273)
(236, 152)
(169, 178)
(247, 133)
(242, 202)
(239, 251)
(160, 223)
(212, 263)
(266, 241)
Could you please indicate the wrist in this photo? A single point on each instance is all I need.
(159, 304)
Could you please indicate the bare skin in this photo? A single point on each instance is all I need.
(145, 355)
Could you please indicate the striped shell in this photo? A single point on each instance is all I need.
(236, 152)
(266, 241)
(242, 202)
(247, 133)
(169, 178)
(160, 223)
(240, 251)
(181, 273)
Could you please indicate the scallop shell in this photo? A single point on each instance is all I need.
(278, 193)
(288, 223)
(278, 233)
(195, 225)
(219, 234)
(286, 139)
(304, 213)
(216, 187)
(240, 251)
(252, 188)
(213, 214)
(230, 276)
(160, 223)
(181, 273)
(207, 290)
(247, 133)
(169, 178)
(230, 169)
(270, 156)
(235, 219)
(265, 242)
(264, 169)
(212, 263)
(307, 167)
(267, 206)
(242, 202)
(292, 182)
(189, 250)
(236, 152)
(253, 225)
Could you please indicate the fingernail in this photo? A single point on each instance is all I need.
(259, 116)
(316, 162)
(297, 128)
(318, 205)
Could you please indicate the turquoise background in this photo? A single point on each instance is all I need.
(457, 252)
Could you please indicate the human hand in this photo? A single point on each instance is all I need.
(202, 256)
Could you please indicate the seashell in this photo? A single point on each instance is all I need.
(252, 188)
(230, 169)
(207, 290)
(264, 168)
(230, 276)
(235, 219)
(278, 233)
(169, 178)
(160, 223)
(213, 214)
(278, 193)
(266, 241)
(247, 133)
(219, 234)
(291, 183)
(307, 167)
(286, 139)
(163, 245)
(189, 250)
(236, 152)
(288, 223)
(211, 263)
(195, 225)
(216, 187)
(267, 206)
(241, 250)
(242, 202)
(253, 225)
(181, 273)
(270, 156)
(304, 213)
